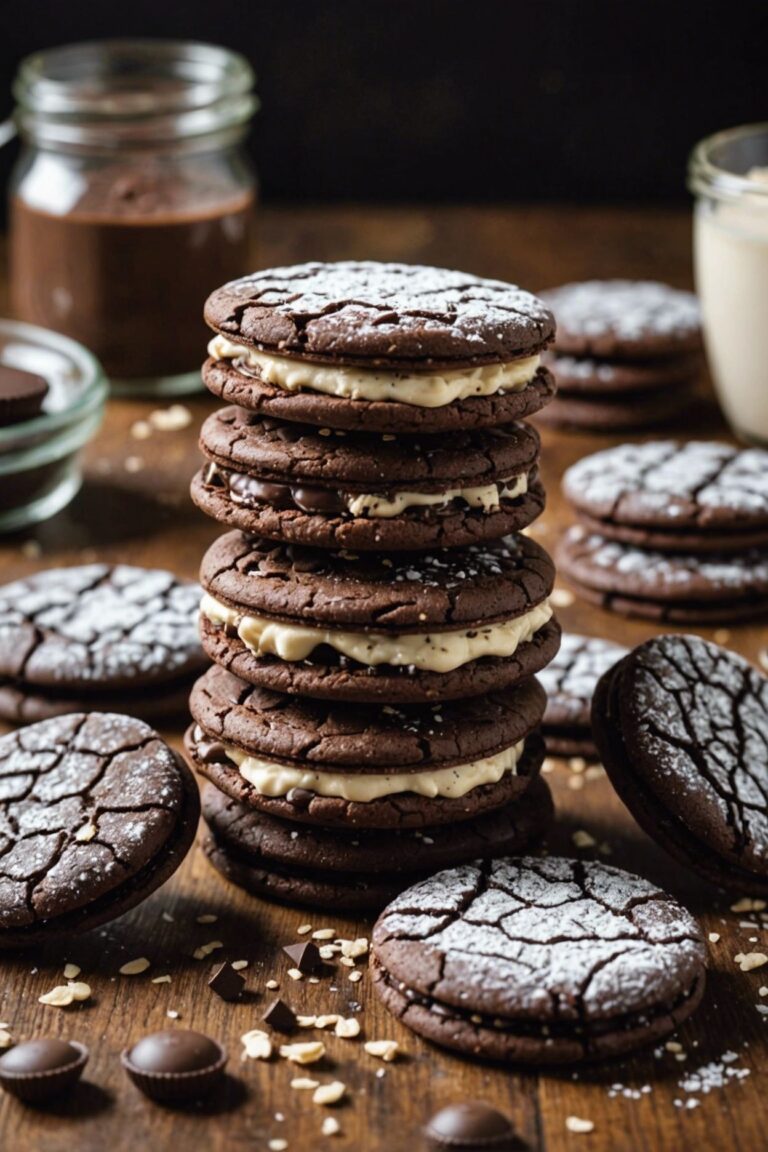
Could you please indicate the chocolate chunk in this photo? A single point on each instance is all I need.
(21, 394)
(226, 982)
(40, 1069)
(471, 1126)
(280, 1016)
(306, 957)
(176, 1066)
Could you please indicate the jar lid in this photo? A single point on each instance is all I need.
(732, 164)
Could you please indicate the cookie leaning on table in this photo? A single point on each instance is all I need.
(396, 628)
(383, 347)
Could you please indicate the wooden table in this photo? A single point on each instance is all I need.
(134, 507)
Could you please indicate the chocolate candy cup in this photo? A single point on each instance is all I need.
(176, 1066)
(40, 1069)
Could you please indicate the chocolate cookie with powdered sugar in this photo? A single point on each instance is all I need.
(384, 347)
(624, 319)
(570, 681)
(699, 496)
(670, 587)
(97, 636)
(538, 961)
(682, 728)
(332, 489)
(388, 628)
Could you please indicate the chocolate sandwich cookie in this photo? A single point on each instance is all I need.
(397, 628)
(97, 636)
(382, 347)
(538, 961)
(21, 395)
(624, 319)
(333, 489)
(677, 588)
(682, 727)
(569, 682)
(323, 763)
(96, 812)
(590, 378)
(625, 412)
(360, 870)
(700, 496)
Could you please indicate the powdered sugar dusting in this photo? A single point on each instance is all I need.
(570, 679)
(628, 309)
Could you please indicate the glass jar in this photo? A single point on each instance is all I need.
(131, 200)
(728, 173)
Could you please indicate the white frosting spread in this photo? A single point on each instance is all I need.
(421, 389)
(485, 496)
(272, 779)
(430, 652)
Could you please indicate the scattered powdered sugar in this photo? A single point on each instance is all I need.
(630, 309)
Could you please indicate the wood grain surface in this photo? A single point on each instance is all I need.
(134, 507)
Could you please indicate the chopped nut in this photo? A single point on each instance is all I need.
(355, 976)
(6, 1040)
(171, 419)
(303, 929)
(348, 1028)
(86, 833)
(172, 1014)
(749, 960)
(295, 974)
(206, 918)
(331, 1126)
(324, 934)
(206, 949)
(354, 949)
(561, 597)
(258, 1045)
(714, 937)
(135, 967)
(303, 1053)
(748, 904)
(673, 1046)
(329, 1093)
(576, 1124)
(271, 984)
(347, 961)
(238, 965)
(304, 1083)
(583, 839)
(65, 994)
(161, 979)
(762, 991)
(386, 1050)
(141, 430)
(277, 1145)
(71, 971)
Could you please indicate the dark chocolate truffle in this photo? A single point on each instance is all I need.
(176, 1066)
(40, 1069)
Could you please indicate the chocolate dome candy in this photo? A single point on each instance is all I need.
(471, 1125)
(40, 1069)
(176, 1066)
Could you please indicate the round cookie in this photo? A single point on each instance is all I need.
(570, 681)
(678, 588)
(23, 704)
(396, 628)
(327, 489)
(627, 412)
(673, 495)
(538, 961)
(79, 637)
(624, 319)
(96, 813)
(385, 347)
(682, 728)
(356, 871)
(577, 375)
(375, 767)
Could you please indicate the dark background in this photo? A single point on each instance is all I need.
(457, 99)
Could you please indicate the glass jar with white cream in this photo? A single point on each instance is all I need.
(728, 172)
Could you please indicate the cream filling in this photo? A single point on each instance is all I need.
(486, 496)
(433, 652)
(422, 389)
(272, 779)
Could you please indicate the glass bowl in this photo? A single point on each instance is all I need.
(39, 458)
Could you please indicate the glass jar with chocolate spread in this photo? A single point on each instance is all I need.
(131, 200)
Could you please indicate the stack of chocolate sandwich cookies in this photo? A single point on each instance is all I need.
(374, 613)
(626, 356)
(670, 531)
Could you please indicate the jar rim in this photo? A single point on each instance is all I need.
(129, 91)
(707, 176)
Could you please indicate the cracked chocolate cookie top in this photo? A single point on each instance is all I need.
(362, 739)
(682, 726)
(99, 626)
(699, 485)
(571, 678)
(632, 318)
(359, 311)
(557, 942)
(386, 593)
(95, 812)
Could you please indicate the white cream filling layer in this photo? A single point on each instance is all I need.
(422, 389)
(272, 779)
(486, 496)
(431, 652)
